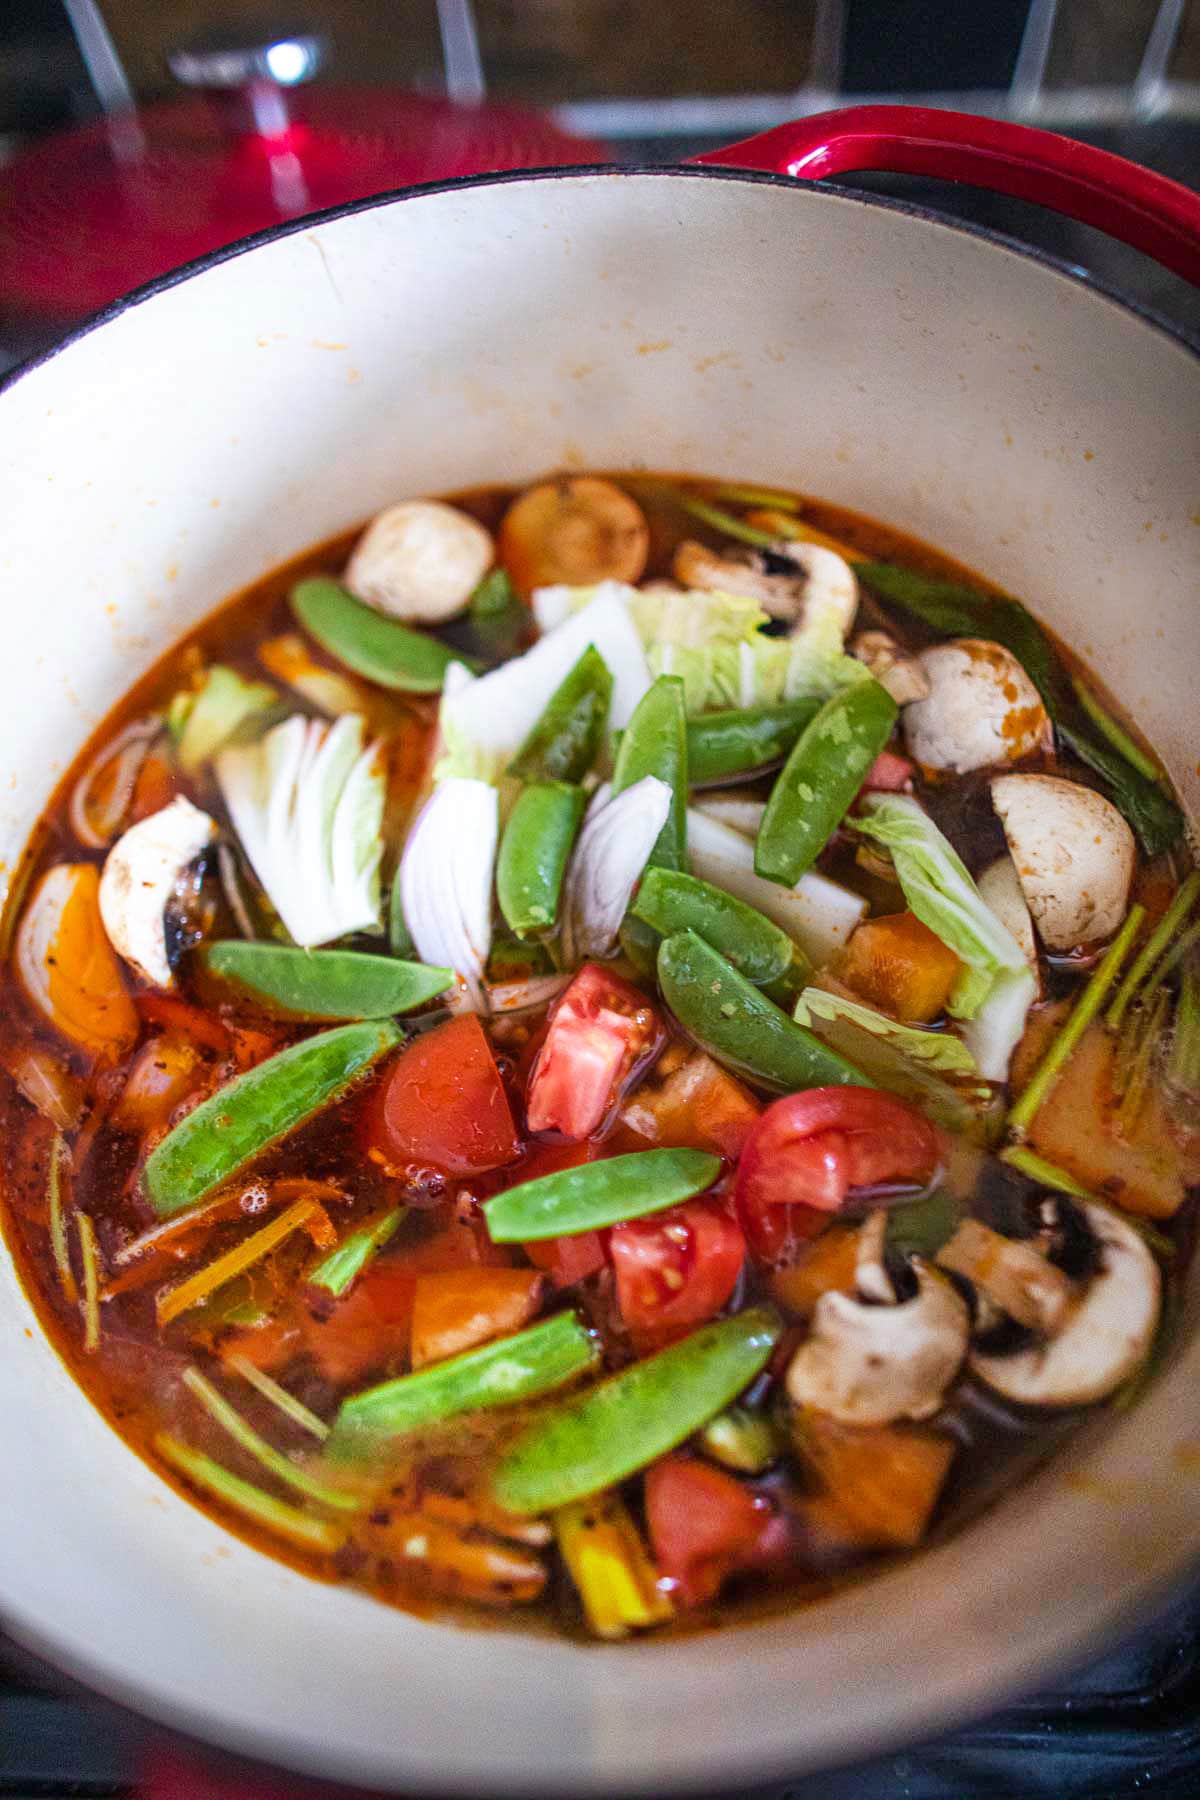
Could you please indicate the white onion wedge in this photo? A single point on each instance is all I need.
(616, 838)
(446, 880)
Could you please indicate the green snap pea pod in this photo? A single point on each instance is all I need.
(325, 984)
(740, 1027)
(498, 617)
(516, 1368)
(256, 1110)
(384, 651)
(337, 1271)
(655, 743)
(534, 849)
(827, 767)
(598, 1194)
(730, 743)
(565, 741)
(607, 1433)
(672, 901)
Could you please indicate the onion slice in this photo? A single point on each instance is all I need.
(446, 880)
(617, 837)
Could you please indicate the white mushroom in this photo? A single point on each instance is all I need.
(1107, 1335)
(893, 668)
(421, 561)
(870, 1260)
(1012, 1272)
(871, 1365)
(1074, 856)
(140, 875)
(982, 709)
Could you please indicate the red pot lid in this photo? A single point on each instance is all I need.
(91, 213)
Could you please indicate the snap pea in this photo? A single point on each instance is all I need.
(514, 1368)
(739, 1026)
(337, 1271)
(565, 741)
(384, 651)
(730, 743)
(671, 901)
(254, 1111)
(534, 849)
(610, 1431)
(827, 767)
(325, 984)
(655, 743)
(598, 1194)
(498, 618)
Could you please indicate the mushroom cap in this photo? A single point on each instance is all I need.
(1074, 856)
(871, 1365)
(140, 875)
(1107, 1336)
(982, 708)
(420, 561)
(1000, 888)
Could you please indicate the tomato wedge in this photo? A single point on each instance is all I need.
(704, 1525)
(600, 1032)
(675, 1270)
(809, 1150)
(442, 1106)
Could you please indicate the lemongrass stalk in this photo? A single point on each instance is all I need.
(1183, 1064)
(58, 1220)
(725, 522)
(1152, 949)
(273, 1460)
(1022, 1114)
(1178, 951)
(276, 1515)
(732, 494)
(89, 1256)
(1137, 1079)
(233, 1262)
(346, 1262)
(270, 1390)
(1116, 734)
(800, 532)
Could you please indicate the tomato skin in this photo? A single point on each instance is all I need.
(599, 1033)
(810, 1149)
(890, 773)
(676, 1269)
(442, 1105)
(704, 1525)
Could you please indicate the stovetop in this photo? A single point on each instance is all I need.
(1128, 1724)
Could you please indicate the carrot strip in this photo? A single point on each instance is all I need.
(233, 1262)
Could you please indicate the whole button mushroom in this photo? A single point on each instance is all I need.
(982, 709)
(420, 561)
(1074, 856)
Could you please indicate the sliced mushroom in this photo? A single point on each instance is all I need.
(1015, 1275)
(821, 579)
(1074, 856)
(893, 668)
(870, 1263)
(1106, 1336)
(982, 709)
(141, 873)
(421, 561)
(871, 1365)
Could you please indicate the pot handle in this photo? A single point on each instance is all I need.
(1122, 198)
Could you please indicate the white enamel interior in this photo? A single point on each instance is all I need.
(770, 332)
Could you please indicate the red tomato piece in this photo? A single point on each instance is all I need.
(704, 1525)
(890, 773)
(442, 1105)
(675, 1270)
(602, 1029)
(810, 1149)
(565, 1259)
